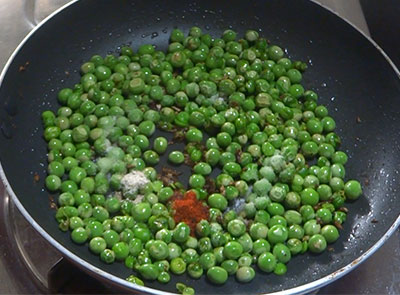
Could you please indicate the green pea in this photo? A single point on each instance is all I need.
(159, 250)
(266, 262)
(151, 157)
(194, 135)
(233, 250)
(197, 181)
(245, 260)
(245, 274)
(330, 233)
(280, 268)
(295, 246)
(207, 260)
(232, 169)
(352, 189)
(217, 201)
(258, 231)
(282, 253)
(309, 197)
(97, 245)
(135, 280)
(141, 212)
(176, 157)
(79, 235)
(277, 193)
(293, 217)
(217, 275)
(339, 157)
(178, 266)
(236, 227)
(181, 232)
(56, 168)
(317, 243)
(311, 227)
(95, 229)
(324, 215)
(53, 182)
(164, 277)
(231, 266)
(121, 250)
(202, 168)
(160, 145)
(148, 271)
(108, 256)
(277, 234)
(195, 270)
(274, 208)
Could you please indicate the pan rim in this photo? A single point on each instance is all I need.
(117, 280)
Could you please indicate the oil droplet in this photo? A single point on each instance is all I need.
(10, 108)
(6, 130)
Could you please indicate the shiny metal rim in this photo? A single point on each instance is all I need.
(307, 288)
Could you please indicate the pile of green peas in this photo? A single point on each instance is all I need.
(241, 108)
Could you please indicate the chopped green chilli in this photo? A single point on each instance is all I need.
(268, 180)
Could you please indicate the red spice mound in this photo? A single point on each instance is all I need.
(186, 208)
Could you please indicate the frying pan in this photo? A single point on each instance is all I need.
(353, 76)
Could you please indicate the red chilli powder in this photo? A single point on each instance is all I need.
(189, 210)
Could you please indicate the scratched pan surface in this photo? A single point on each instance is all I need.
(350, 74)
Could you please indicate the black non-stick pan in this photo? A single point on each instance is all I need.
(351, 74)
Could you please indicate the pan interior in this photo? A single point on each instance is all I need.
(350, 75)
